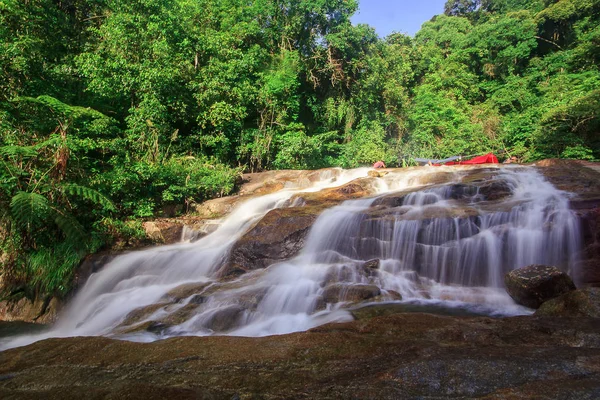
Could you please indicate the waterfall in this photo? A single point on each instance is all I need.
(444, 243)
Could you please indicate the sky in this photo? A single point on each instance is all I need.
(404, 16)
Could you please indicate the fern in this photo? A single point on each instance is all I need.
(74, 232)
(89, 194)
(62, 108)
(32, 210)
(29, 210)
(18, 151)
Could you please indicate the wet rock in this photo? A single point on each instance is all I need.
(349, 293)
(531, 286)
(588, 266)
(225, 319)
(582, 179)
(326, 198)
(278, 236)
(179, 316)
(143, 318)
(182, 292)
(140, 314)
(91, 264)
(577, 303)
(372, 264)
(399, 356)
(250, 299)
(377, 174)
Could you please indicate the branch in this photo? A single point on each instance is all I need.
(94, 17)
(548, 41)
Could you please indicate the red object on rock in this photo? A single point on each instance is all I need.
(379, 164)
(489, 158)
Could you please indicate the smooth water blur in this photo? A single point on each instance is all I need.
(431, 250)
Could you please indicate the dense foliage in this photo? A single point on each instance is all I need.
(113, 110)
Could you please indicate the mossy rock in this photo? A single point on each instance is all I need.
(577, 303)
(535, 284)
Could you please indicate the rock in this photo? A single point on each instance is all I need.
(163, 231)
(377, 174)
(141, 314)
(531, 286)
(42, 311)
(337, 293)
(400, 356)
(225, 319)
(276, 237)
(372, 264)
(583, 180)
(185, 291)
(91, 264)
(577, 303)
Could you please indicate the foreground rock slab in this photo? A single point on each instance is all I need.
(399, 356)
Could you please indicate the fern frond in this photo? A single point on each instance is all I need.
(62, 108)
(74, 232)
(89, 194)
(29, 210)
(53, 140)
(18, 151)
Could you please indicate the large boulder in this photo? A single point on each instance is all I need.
(576, 303)
(278, 236)
(532, 285)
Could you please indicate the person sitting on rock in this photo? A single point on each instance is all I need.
(379, 164)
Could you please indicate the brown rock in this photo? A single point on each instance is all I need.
(185, 291)
(577, 303)
(278, 236)
(531, 286)
(225, 319)
(43, 311)
(400, 356)
(372, 264)
(337, 293)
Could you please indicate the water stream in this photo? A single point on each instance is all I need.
(433, 247)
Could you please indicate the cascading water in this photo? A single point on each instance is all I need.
(426, 243)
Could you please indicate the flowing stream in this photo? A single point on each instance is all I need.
(430, 247)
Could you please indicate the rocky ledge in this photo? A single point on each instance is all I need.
(399, 356)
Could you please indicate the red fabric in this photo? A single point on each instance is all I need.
(379, 164)
(489, 158)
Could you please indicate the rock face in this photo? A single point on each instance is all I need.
(583, 180)
(401, 356)
(39, 311)
(533, 285)
(576, 303)
(278, 236)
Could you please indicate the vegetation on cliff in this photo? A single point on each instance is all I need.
(114, 110)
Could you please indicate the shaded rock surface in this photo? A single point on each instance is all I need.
(278, 236)
(41, 311)
(583, 180)
(533, 285)
(402, 356)
(577, 303)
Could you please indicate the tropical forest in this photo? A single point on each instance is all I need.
(113, 112)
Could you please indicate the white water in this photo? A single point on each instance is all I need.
(454, 261)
